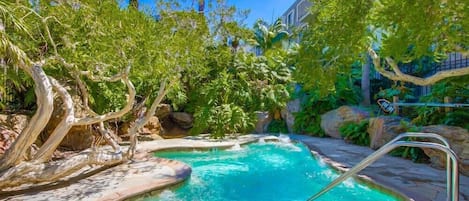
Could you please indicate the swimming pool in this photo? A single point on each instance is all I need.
(260, 171)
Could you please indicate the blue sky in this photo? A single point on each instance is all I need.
(265, 9)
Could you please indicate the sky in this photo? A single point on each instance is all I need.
(265, 9)
(268, 10)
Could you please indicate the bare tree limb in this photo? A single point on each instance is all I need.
(44, 101)
(114, 78)
(109, 139)
(398, 75)
(49, 35)
(112, 115)
(142, 120)
(52, 171)
(61, 130)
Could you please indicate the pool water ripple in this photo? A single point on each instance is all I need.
(260, 171)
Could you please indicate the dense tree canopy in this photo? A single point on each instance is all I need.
(75, 54)
(343, 31)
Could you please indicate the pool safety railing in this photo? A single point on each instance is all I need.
(452, 174)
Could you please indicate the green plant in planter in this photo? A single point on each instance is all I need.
(356, 132)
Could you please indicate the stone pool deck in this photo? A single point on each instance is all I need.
(417, 181)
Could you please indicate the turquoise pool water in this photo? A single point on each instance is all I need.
(260, 171)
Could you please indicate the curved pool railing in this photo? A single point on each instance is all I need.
(452, 174)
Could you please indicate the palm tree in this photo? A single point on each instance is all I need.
(201, 6)
(267, 37)
(133, 3)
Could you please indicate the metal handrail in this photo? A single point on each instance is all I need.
(452, 166)
(448, 161)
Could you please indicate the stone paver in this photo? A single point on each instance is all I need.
(116, 183)
(417, 181)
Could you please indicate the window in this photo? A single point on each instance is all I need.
(302, 9)
(290, 18)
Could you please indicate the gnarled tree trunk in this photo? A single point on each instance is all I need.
(16, 171)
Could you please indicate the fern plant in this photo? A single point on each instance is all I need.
(356, 133)
(413, 153)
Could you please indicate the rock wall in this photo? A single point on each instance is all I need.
(263, 120)
(288, 113)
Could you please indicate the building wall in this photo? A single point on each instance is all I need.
(294, 16)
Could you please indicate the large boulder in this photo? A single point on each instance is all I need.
(263, 120)
(163, 110)
(383, 129)
(458, 139)
(333, 120)
(18, 122)
(151, 130)
(288, 113)
(78, 138)
(172, 129)
(182, 119)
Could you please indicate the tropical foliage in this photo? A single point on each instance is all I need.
(268, 37)
(91, 53)
(241, 84)
(455, 88)
(342, 31)
(356, 133)
(315, 103)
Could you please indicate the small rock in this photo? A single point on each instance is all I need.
(7, 137)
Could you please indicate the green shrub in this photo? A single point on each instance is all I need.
(314, 103)
(277, 126)
(413, 153)
(221, 120)
(356, 133)
(457, 89)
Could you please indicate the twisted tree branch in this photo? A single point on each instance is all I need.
(398, 75)
(43, 91)
(61, 130)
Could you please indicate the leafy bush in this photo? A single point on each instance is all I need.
(308, 119)
(219, 120)
(226, 99)
(457, 89)
(413, 153)
(402, 91)
(356, 133)
(314, 103)
(277, 126)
